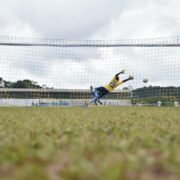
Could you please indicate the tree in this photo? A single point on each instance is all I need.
(26, 83)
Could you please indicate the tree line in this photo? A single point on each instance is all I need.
(26, 83)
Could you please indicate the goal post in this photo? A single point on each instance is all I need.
(51, 72)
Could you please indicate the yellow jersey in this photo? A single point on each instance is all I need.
(113, 84)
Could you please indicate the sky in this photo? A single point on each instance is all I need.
(89, 20)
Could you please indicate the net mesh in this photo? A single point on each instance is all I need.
(59, 72)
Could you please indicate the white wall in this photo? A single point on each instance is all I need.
(59, 102)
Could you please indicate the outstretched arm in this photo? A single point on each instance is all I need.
(121, 72)
(130, 78)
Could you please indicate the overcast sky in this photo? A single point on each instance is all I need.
(89, 19)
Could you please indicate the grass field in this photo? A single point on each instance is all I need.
(90, 143)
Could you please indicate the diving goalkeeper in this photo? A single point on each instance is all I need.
(99, 92)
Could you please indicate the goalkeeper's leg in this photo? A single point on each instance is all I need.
(94, 95)
(94, 100)
(99, 102)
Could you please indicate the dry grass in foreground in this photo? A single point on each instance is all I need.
(89, 143)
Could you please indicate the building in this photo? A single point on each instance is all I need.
(59, 96)
(19, 93)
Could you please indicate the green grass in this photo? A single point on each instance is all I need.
(90, 143)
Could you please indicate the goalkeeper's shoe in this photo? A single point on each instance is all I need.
(131, 77)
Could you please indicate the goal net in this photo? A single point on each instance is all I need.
(50, 72)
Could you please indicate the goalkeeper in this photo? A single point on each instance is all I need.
(99, 92)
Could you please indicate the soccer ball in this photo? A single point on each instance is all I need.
(145, 80)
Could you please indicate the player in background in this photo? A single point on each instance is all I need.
(99, 92)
